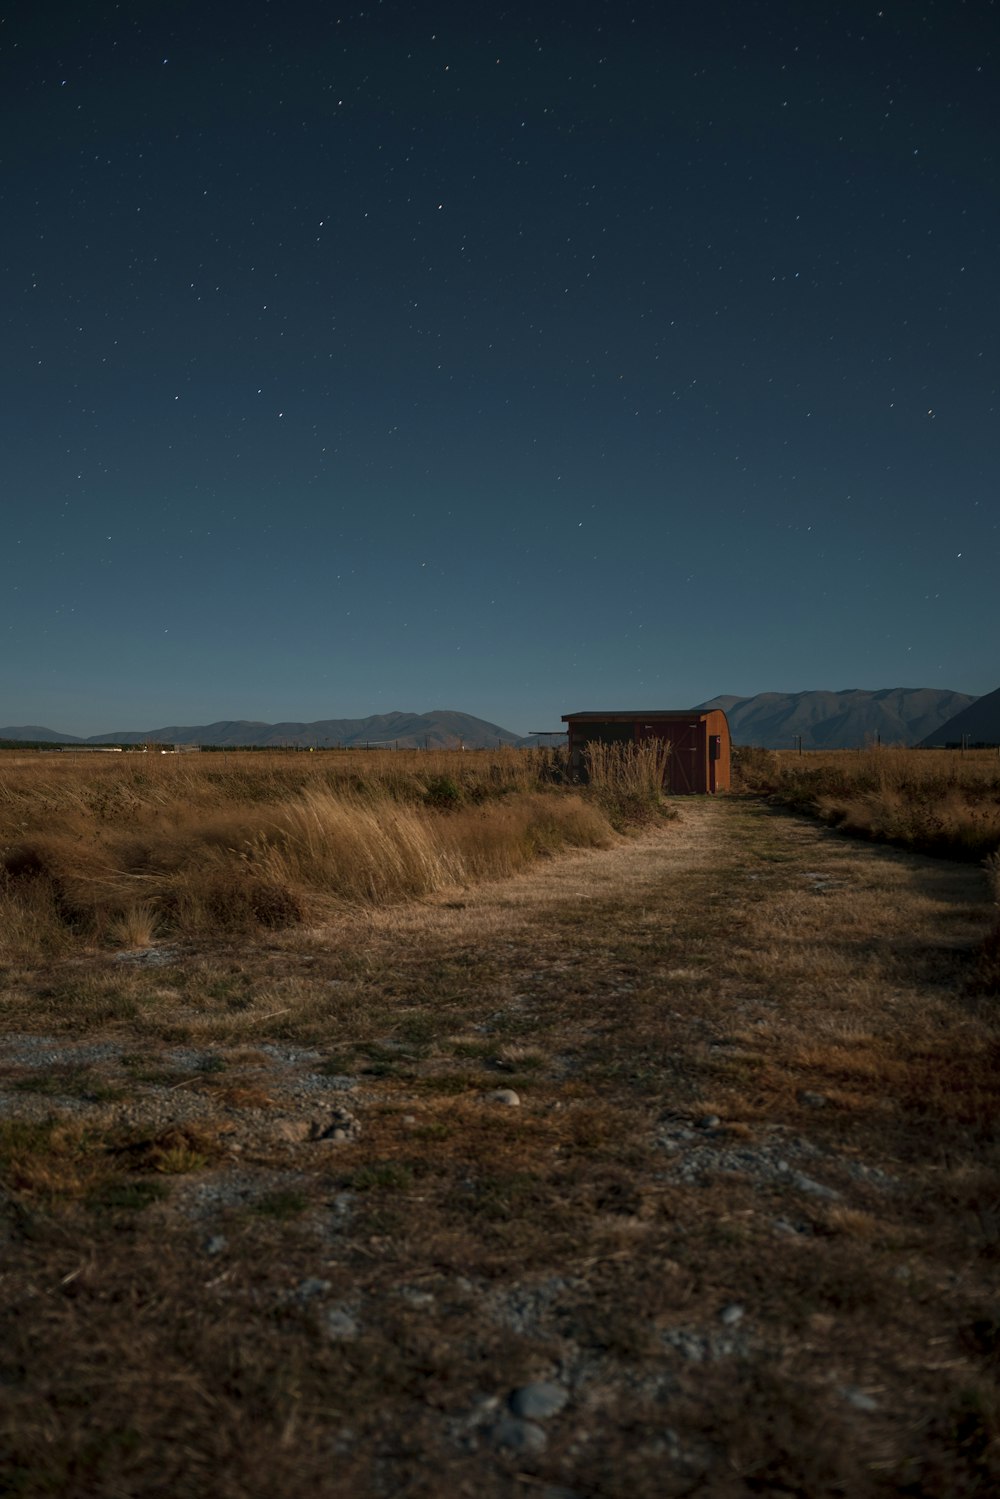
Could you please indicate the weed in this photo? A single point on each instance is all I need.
(125, 1196)
(394, 1176)
(282, 1203)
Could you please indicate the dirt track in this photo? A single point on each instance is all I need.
(283, 1238)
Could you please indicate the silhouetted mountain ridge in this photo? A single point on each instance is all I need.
(839, 720)
(824, 720)
(979, 723)
(441, 728)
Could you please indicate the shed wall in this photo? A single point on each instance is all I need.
(700, 747)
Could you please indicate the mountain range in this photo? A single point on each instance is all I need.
(439, 729)
(774, 720)
(979, 723)
(839, 720)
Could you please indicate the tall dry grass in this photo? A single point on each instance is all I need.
(125, 849)
(627, 779)
(941, 802)
(934, 801)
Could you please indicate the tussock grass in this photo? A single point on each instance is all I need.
(627, 779)
(125, 852)
(941, 802)
(933, 801)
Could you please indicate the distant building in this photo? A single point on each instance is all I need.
(700, 755)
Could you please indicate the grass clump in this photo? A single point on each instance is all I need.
(125, 854)
(626, 780)
(941, 802)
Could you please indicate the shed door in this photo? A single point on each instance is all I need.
(684, 767)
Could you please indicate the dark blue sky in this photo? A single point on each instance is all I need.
(519, 359)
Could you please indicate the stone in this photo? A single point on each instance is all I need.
(731, 1314)
(538, 1400)
(812, 1100)
(504, 1096)
(340, 1125)
(416, 1297)
(708, 1121)
(217, 1244)
(310, 1287)
(855, 1396)
(519, 1435)
(812, 1188)
(341, 1324)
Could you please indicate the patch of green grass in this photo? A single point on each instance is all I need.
(283, 1203)
(69, 1082)
(45, 1084)
(383, 1176)
(384, 1068)
(128, 1196)
(435, 1130)
(420, 1029)
(161, 1077)
(478, 1051)
(450, 1084)
(213, 1063)
(501, 1195)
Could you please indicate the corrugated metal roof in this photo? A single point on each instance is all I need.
(612, 713)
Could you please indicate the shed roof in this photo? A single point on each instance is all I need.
(643, 713)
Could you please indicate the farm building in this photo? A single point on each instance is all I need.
(700, 749)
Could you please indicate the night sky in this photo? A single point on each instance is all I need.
(517, 358)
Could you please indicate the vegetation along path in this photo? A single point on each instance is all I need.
(667, 1169)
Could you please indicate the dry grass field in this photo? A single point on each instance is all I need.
(936, 801)
(494, 1152)
(121, 849)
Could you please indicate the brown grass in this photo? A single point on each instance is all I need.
(627, 779)
(126, 850)
(936, 801)
(799, 1298)
(940, 802)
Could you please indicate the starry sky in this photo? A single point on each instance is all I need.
(520, 358)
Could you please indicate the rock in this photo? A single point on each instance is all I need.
(855, 1396)
(812, 1100)
(538, 1401)
(416, 1297)
(310, 1287)
(708, 1121)
(804, 1183)
(338, 1126)
(518, 1435)
(504, 1096)
(341, 1324)
(216, 1244)
(731, 1314)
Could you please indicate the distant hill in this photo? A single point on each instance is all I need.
(840, 720)
(979, 723)
(38, 735)
(825, 720)
(439, 729)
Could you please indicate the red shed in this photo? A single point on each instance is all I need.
(700, 748)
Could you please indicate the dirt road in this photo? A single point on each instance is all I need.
(665, 1170)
